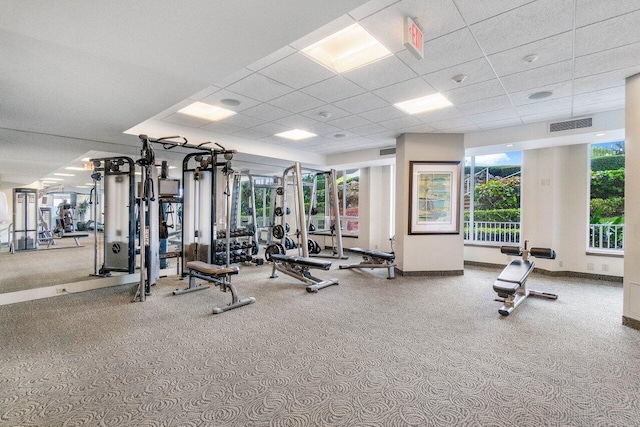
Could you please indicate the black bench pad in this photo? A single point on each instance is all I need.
(74, 234)
(505, 287)
(516, 272)
(375, 254)
(307, 262)
(210, 269)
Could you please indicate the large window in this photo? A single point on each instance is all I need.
(492, 198)
(606, 204)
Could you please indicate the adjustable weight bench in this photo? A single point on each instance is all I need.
(511, 284)
(298, 267)
(219, 276)
(51, 240)
(374, 259)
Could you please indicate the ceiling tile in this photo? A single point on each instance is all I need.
(174, 108)
(384, 72)
(361, 103)
(500, 123)
(297, 71)
(538, 77)
(238, 75)
(369, 129)
(297, 121)
(476, 71)
(600, 96)
(243, 121)
(221, 128)
(334, 89)
(423, 128)
(544, 107)
(326, 30)
(474, 10)
(271, 129)
(550, 50)
(557, 115)
(370, 8)
(296, 102)
(181, 119)
(349, 122)
(335, 112)
(245, 101)
(204, 93)
(444, 52)
(435, 18)
(482, 106)
(603, 81)
(451, 123)
(580, 110)
(266, 112)
(493, 116)
(251, 134)
(602, 62)
(475, 92)
(463, 129)
(533, 21)
(559, 90)
(259, 87)
(437, 115)
(323, 128)
(614, 32)
(406, 90)
(270, 59)
(402, 122)
(382, 114)
(391, 135)
(590, 11)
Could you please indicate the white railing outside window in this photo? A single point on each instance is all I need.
(492, 232)
(606, 236)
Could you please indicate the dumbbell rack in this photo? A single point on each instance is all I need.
(242, 246)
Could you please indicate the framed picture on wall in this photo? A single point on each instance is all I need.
(434, 199)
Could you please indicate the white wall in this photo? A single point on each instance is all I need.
(425, 253)
(555, 212)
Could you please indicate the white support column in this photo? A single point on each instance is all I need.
(631, 311)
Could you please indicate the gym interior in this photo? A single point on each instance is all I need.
(340, 213)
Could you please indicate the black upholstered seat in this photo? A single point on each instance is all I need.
(375, 254)
(307, 262)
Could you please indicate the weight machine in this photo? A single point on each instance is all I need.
(335, 229)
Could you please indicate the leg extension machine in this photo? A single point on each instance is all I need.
(511, 285)
(374, 259)
(219, 276)
(298, 268)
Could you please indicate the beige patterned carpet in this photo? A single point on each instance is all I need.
(369, 352)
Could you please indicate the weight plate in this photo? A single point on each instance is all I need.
(280, 191)
(281, 249)
(288, 211)
(278, 232)
(314, 211)
(287, 228)
(254, 248)
(317, 248)
(312, 227)
(271, 249)
(311, 246)
(289, 243)
(278, 211)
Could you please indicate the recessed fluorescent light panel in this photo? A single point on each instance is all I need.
(423, 104)
(75, 168)
(64, 174)
(206, 112)
(52, 179)
(296, 134)
(347, 49)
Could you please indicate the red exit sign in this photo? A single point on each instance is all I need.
(412, 38)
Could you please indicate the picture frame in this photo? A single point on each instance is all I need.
(434, 197)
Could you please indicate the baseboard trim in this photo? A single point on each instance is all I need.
(577, 274)
(438, 273)
(631, 323)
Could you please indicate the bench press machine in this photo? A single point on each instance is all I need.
(298, 267)
(373, 259)
(220, 276)
(511, 284)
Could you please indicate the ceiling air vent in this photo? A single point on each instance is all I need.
(387, 151)
(587, 122)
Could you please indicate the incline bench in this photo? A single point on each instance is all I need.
(511, 284)
(220, 276)
(374, 259)
(298, 267)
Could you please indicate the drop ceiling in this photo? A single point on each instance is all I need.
(91, 71)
